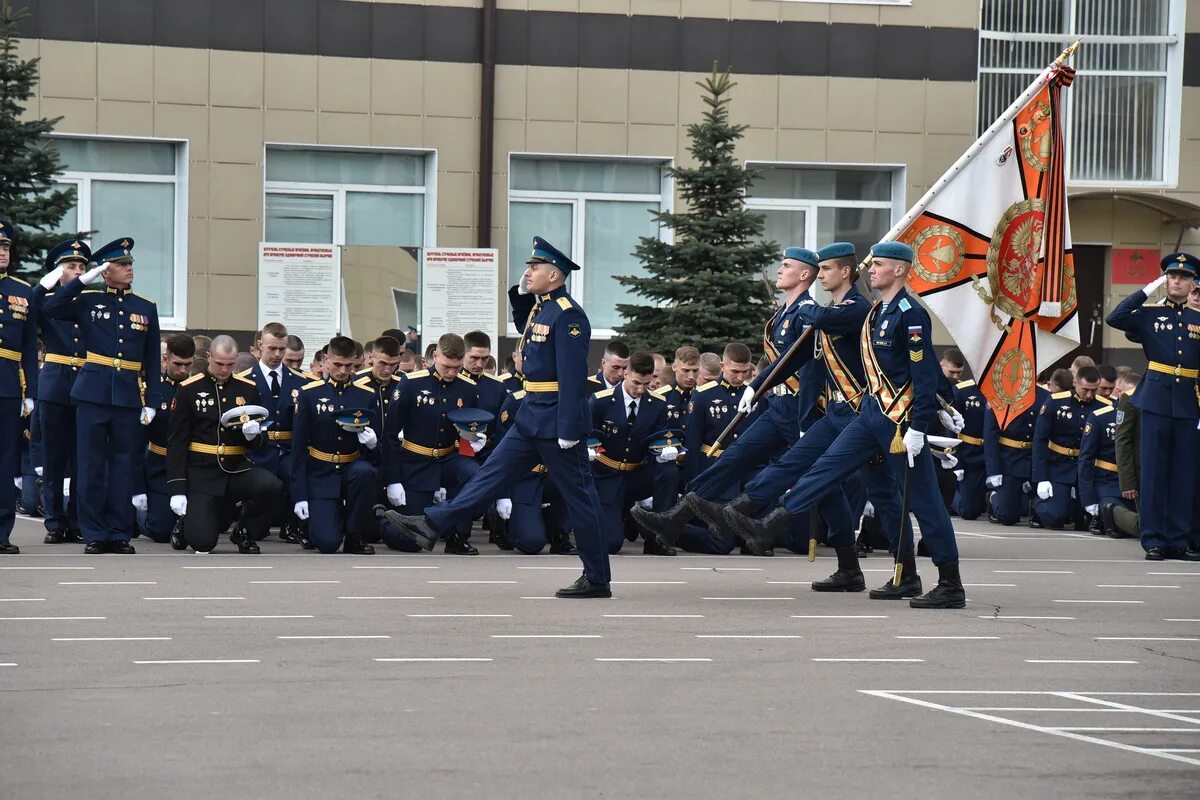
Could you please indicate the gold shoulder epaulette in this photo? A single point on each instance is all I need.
(243, 373)
(603, 393)
(297, 372)
(593, 379)
(706, 387)
(142, 296)
(503, 376)
(519, 394)
(564, 303)
(92, 291)
(661, 391)
(492, 377)
(1106, 400)
(363, 371)
(964, 384)
(421, 373)
(244, 380)
(1104, 410)
(313, 384)
(192, 379)
(363, 382)
(462, 377)
(18, 280)
(1061, 395)
(312, 376)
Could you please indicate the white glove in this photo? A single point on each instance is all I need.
(140, 503)
(93, 275)
(567, 444)
(479, 443)
(251, 429)
(522, 288)
(668, 453)
(367, 438)
(746, 403)
(1026, 487)
(1154, 285)
(951, 420)
(914, 443)
(1045, 490)
(1093, 509)
(38, 471)
(26, 406)
(17, 482)
(395, 494)
(147, 415)
(504, 508)
(593, 453)
(947, 460)
(1073, 495)
(869, 509)
(646, 503)
(440, 495)
(301, 510)
(179, 504)
(51, 278)
(994, 481)
(959, 474)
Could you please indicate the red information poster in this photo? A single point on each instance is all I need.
(1134, 265)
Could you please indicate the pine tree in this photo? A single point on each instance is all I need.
(707, 287)
(28, 162)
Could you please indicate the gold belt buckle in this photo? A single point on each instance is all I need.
(116, 363)
(220, 449)
(337, 458)
(1178, 370)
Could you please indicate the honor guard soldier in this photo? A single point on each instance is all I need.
(152, 496)
(549, 428)
(1056, 438)
(629, 418)
(970, 498)
(1008, 461)
(18, 379)
(333, 447)
(216, 420)
(1169, 333)
(65, 356)
(1099, 483)
(422, 458)
(120, 336)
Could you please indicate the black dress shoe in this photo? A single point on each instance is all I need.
(54, 537)
(663, 525)
(463, 547)
(921, 549)
(585, 588)
(73, 535)
(653, 547)
(357, 548)
(415, 528)
(1155, 554)
(246, 543)
(848, 578)
(9, 549)
(948, 593)
(560, 544)
(1192, 553)
(759, 534)
(121, 548)
(94, 549)
(910, 586)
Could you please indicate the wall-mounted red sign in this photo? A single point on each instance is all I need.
(1134, 265)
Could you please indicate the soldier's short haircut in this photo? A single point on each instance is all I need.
(407, 356)
(850, 262)
(477, 339)
(387, 346)
(429, 348)
(1107, 372)
(224, 344)
(395, 333)
(276, 329)
(686, 355)
(1060, 380)
(341, 347)
(451, 346)
(954, 357)
(710, 363)
(736, 352)
(1123, 371)
(369, 346)
(1131, 378)
(642, 363)
(295, 343)
(181, 345)
(1082, 361)
(199, 366)
(1088, 374)
(359, 352)
(617, 349)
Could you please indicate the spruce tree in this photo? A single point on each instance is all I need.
(707, 286)
(28, 162)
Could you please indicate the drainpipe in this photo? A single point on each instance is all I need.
(487, 123)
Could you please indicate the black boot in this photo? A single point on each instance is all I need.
(848, 578)
(413, 527)
(244, 541)
(910, 583)
(948, 593)
(560, 543)
(498, 535)
(712, 513)
(1034, 522)
(177, 540)
(653, 547)
(54, 537)
(354, 545)
(759, 534)
(287, 533)
(73, 535)
(664, 525)
(460, 545)
(991, 514)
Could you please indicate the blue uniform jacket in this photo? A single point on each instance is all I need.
(902, 339)
(18, 340)
(555, 352)
(780, 332)
(1009, 459)
(677, 404)
(153, 474)
(116, 324)
(1169, 334)
(839, 326)
(1056, 437)
(1098, 455)
(618, 441)
(313, 426)
(64, 339)
(419, 410)
(971, 403)
(713, 406)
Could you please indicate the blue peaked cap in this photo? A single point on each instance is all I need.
(1181, 262)
(118, 251)
(545, 252)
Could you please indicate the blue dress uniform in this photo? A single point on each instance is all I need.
(1056, 438)
(1099, 482)
(1009, 454)
(1167, 396)
(18, 382)
(120, 335)
(970, 498)
(385, 392)
(31, 458)
(624, 469)
(331, 470)
(555, 407)
(428, 458)
(492, 391)
(64, 357)
(274, 456)
(151, 478)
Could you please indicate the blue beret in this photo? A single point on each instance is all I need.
(1181, 262)
(469, 420)
(68, 250)
(836, 250)
(353, 419)
(801, 254)
(671, 437)
(118, 251)
(545, 252)
(6, 231)
(897, 250)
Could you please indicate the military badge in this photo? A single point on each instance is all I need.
(574, 330)
(241, 401)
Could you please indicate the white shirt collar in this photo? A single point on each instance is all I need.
(266, 371)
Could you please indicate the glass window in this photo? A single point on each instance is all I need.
(548, 175)
(551, 221)
(300, 218)
(611, 230)
(334, 166)
(394, 220)
(144, 211)
(103, 155)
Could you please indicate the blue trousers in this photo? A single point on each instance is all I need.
(1061, 509)
(108, 441)
(159, 520)
(58, 464)
(454, 473)
(1010, 501)
(11, 432)
(619, 490)
(513, 458)
(330, 519)
(1169, 448)
(765, 439)
(970, 498)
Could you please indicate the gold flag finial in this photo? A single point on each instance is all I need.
(1070, 51)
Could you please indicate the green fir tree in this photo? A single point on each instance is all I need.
(706, 288)
(28, 162)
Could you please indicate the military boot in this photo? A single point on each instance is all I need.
(848, 578)
(948, 593)
(910, 583)
(664, 525)
(760, 534)
(712, 514)
(245, 543)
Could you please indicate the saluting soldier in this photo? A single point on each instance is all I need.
(152, 493)
(1056, 437)
(18, 380)
(208, 463)
(120, 336)
(64, 357)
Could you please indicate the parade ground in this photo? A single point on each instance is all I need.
(1071, 673)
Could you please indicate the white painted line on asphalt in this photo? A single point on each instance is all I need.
(484, 582)
(22, 599)
(389, 566)
(403, 660)
(108, 583)
(546, 636)
(1182, 619)
(1117, 602)
(433, 616)
(793, 583)
(47, 567)
(946, 637)
(747, 636)
(747, 598)
(1076, 661)
(1134, 586)
(193, 598)
(1123, 730)
(339, 636)
(1146, 639)
(258, 616)
(570, 568)
(540, 597)
(18, 619)
(998, 616)
(1033, 572)
(649, 583)
(1177, 574)
(1174, 750)
(990, 585)
(8, 664)
(839, 616)
(205, 661)
(875, 660)
(243, 566)
(723, 569)
(654, 616)
(658, 660)
(112, 639)
(292, 582)
(388, 597)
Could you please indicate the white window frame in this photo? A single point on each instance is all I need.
(665, 199)
(1173, 99)
(338, 191)
(82, 181)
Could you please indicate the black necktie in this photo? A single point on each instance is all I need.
(274, 385)
(631, 417)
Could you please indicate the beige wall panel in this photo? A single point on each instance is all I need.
(653, 140)
(451, 90)
(125, 72)
(552, 93)
(78, 116)
(510, 92)
(550, 137)
(1091, 220)
(852, 103)
(197, 253)
(457, 143)
(198, 194)
(608, 138)
(900, 107)
(1136, 225)
(344, 84)
(197, 302)
(804, 12)
(236, 191)
(397, 87)
(756, 101)
(803, 102)
(940, 151)
(348, 129)
(181, 75)
(508, 137)
(184, 122)
(933, 13)
(455, 237)
(120, 118)
(1189, 165)
(657, 8)
(683, 156)
(850, 146)
(691, 97)
(652, 96)
(603, 95)
(29, 48)
(718, 9)
(553, 5)
(232, 303)
(758, 144)
(389, 130)
(67, 69)
(604, 6)
(903, 148)
(853, 12)
(290, 82)
(456, 199)
(756, 9)
(950, 107)
(236, 79)
(236, 135)
(1191, 23)
(511, 5)
(235, 243)
(801, 145)
(290, 126)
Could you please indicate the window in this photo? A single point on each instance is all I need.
(135, 188)
(349, 197)
(1123, 110)
(593, 210)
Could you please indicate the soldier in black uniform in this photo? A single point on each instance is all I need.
(207, 465)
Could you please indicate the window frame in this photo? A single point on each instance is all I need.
(82, 181)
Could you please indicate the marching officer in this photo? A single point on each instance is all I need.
(1056, 438)
(970, 498)
(65, 356)
(549, 428)
(153, 497)
(333, 450)
(1169, 333)
(1099, 481)
(120, 336)
(18, 380)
